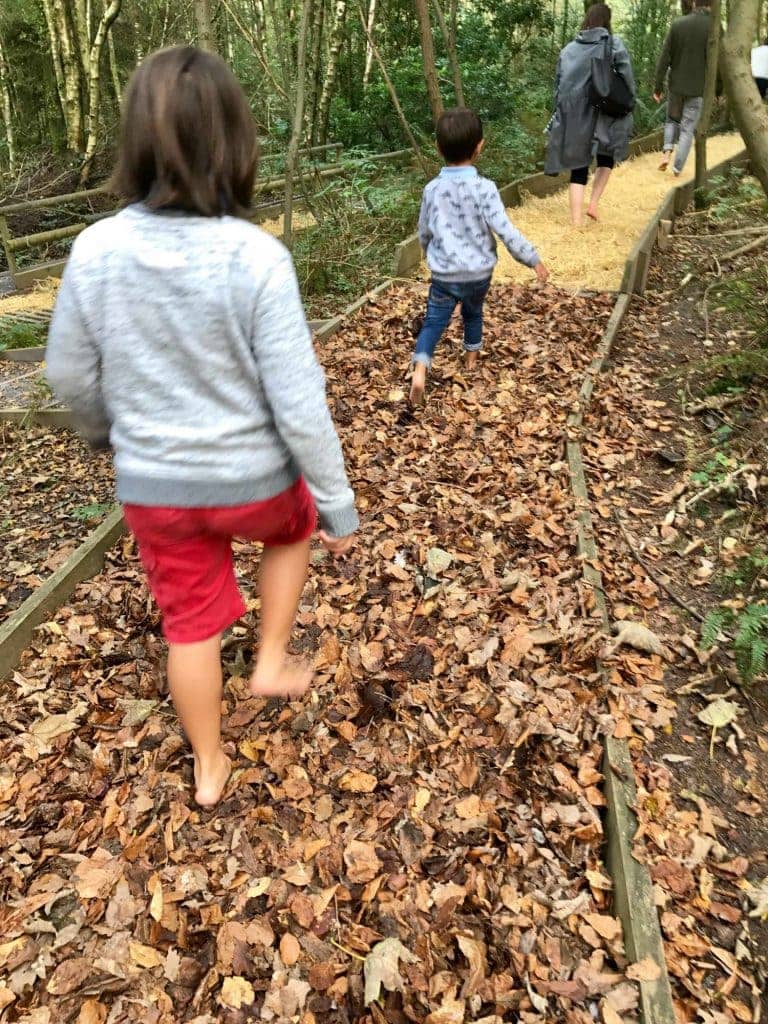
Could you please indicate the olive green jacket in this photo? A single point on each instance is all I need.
(685, 55)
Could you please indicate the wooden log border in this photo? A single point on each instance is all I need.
(18, 631)
(24, 355)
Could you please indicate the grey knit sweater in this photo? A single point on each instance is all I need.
(182, 341)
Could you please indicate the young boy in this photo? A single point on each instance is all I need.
(460, 213)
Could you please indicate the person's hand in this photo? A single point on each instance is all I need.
(541, 273)
(658, 96)
(337, 546)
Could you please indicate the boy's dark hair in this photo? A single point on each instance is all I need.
(459, 133)
(598, 16)
(188, 137)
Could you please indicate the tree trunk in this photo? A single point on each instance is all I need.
(394, 97)
(453, 59)
(204, 23)
(114, 68)
(7, 112)
(750, 114)
(369, 28)
(315, 70)
(710, 87)
(428, 56)
(292, 161)
(82, 23)
(94, 85)
(73, 84)
(337, 30)
(58, 69)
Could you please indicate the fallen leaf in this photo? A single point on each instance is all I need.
(382, 968)
(644, 970)
(237, 992)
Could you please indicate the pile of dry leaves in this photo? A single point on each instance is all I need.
(53, 491)
(420, 839)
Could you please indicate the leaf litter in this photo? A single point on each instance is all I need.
(423, 834)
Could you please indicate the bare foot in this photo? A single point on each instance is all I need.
(664, 163)
(210, 783)
(470, 359)
(291, 681)
(592, 214)
(418, 382)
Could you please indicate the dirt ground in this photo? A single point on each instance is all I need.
(705, 830)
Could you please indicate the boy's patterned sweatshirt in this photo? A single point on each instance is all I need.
(460, 214)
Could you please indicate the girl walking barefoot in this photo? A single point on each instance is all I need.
(179, 338)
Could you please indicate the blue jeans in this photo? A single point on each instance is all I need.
(443, 298)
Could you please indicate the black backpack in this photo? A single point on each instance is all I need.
(608, 92)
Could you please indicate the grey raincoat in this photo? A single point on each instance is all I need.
(577, 132)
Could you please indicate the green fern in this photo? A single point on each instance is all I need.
(750, 639)
(716, 621)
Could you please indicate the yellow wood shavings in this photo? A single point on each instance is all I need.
(594, 256)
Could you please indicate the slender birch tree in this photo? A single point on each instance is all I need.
(7, 109)
(749, 112)
(108, 19)
(428, 57)
(297, 129)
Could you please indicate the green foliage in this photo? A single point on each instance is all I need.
(21, 335)
(749, 570)
(748, 629)
(85, 513)
(715, 470)
(744, 298)
(729, 194)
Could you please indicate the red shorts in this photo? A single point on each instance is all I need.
(187, 555)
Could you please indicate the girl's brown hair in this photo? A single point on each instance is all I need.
(598, 16)
(188, 137)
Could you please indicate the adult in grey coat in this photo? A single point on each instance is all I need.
(577, 133)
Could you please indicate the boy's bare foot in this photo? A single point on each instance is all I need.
(664, 162)
(418, 383)
(290, 681)
(592, 214)
(470, 360)
(211, 780)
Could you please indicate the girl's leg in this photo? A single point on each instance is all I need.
(576, 195)
(281, 581)
(602, 174)
(194, 679)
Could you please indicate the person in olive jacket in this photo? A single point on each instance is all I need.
(684, 56)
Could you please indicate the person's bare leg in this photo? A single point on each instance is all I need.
(281, 581)
(576, 197)
(600, 180)
(418, 383)
(195, 683)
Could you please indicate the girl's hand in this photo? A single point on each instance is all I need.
(541, 273)
(337, 546)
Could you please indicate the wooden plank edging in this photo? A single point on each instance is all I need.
(18, 631)
(34, 354)
(633, 897)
